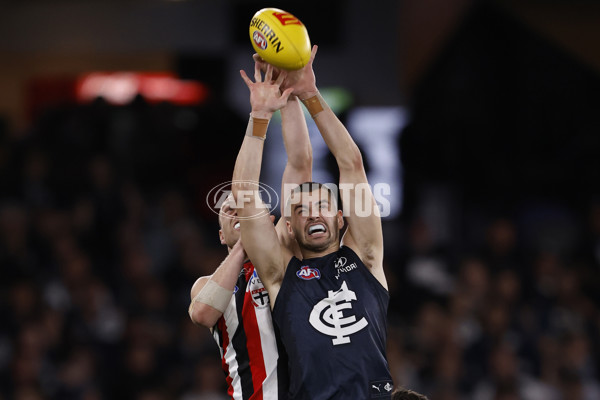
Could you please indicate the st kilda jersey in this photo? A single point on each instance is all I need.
(332, 316)
(248, 343)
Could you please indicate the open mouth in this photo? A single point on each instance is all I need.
(316, 229)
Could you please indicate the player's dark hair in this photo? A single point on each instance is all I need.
(406, 394)
(309, 187)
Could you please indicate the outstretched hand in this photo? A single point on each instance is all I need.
(301, 81)
(265, 95)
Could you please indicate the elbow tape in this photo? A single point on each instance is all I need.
(214, 295)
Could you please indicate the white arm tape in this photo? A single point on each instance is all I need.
(214, 295)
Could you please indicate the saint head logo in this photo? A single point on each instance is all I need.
(307, 273)
(327, 316)
(257, 291)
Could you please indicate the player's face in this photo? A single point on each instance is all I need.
(230, 224)
(315, 221)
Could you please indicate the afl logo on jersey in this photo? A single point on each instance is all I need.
(307, 273)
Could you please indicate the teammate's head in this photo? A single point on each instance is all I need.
(313, 217)
(405, 394)
(229, 232)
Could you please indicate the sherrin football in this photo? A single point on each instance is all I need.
(280, 38)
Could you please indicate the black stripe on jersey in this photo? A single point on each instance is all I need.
(219, 340)
(239, 342)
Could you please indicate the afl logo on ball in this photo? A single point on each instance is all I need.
(307, 273)
(260, 40)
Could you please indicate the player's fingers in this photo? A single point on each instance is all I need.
(257, 77)
(280, 78)
(257, 58)
(313, 53)
(269, 74)
(245, 78)
(261, 63)
(286, 94)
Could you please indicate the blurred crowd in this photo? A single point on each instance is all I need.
(500, 320)
(103, 230)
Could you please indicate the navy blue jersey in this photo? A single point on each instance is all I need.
(332, 315)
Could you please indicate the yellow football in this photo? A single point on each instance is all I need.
(280, 38)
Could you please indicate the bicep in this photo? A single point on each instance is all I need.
(363, 216)
(292, 177)
(261, 243)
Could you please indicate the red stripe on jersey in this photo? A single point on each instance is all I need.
(223, 329)
(249, 267)
(255, 352)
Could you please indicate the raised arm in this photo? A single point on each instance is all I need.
(364, 234)
(257, 231)
(298, 168)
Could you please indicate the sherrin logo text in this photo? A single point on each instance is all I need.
(269, 34)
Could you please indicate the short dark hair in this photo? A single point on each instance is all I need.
(309, 187)
(406, 394)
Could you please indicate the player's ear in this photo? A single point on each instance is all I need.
(289, 228)
(340, 218)
(222, 237)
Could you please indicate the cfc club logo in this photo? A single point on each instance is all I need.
(327, 316)
(260, 40)
(307, 273)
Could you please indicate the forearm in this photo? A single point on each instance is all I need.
(295, 135)
(334, 133)
(211, 295)
(298, 168)
(246, 172)
(227, 273)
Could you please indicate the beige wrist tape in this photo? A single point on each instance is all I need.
(214, 295)
(257, 127)
(314, 104)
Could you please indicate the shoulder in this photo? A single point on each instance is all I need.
(370, 255)
(375, 268)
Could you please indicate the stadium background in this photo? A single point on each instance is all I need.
(492, 257)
